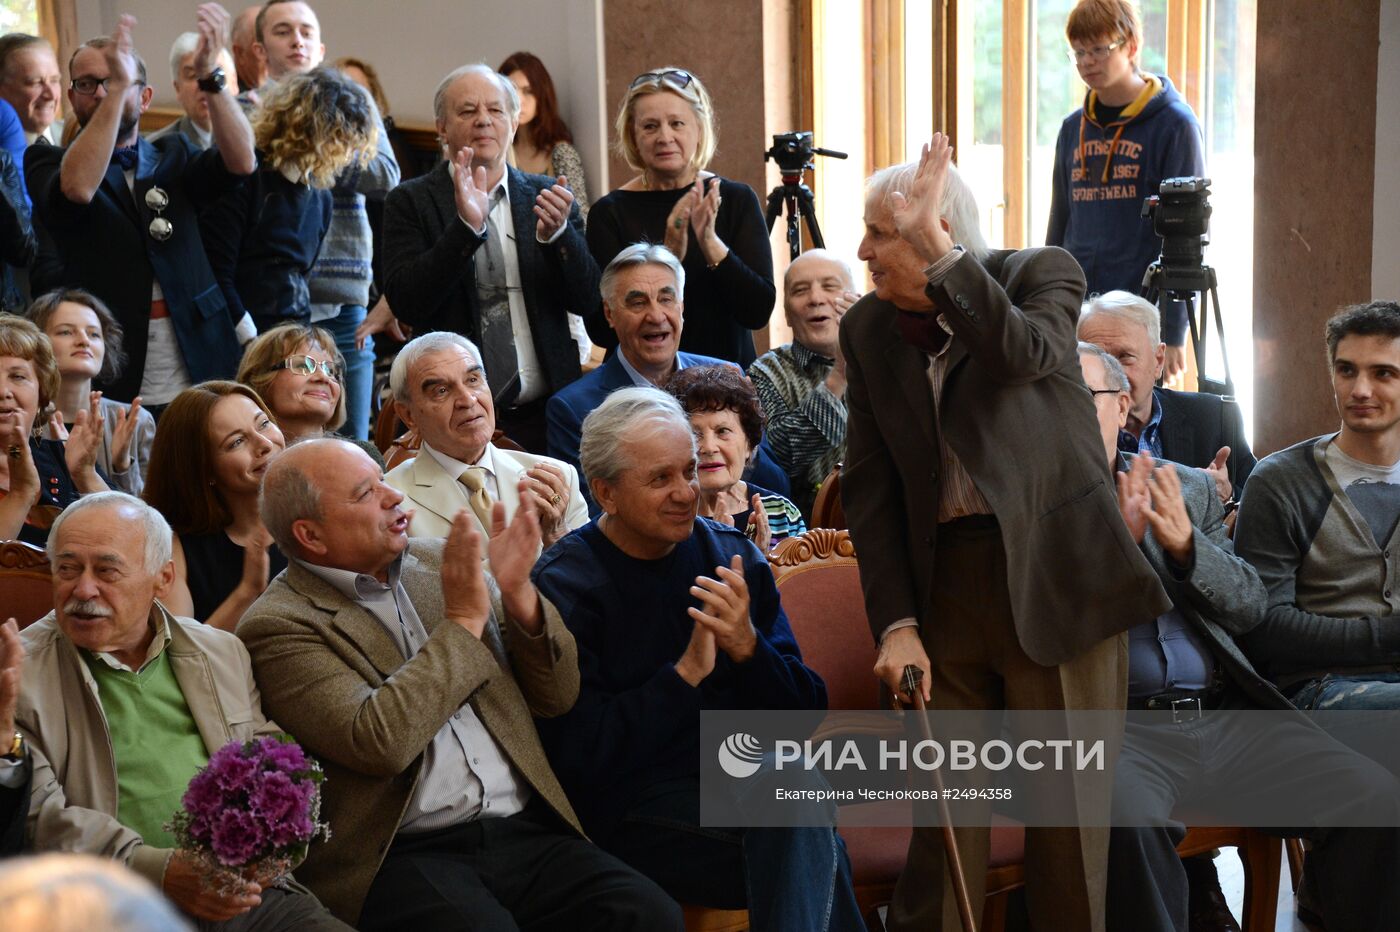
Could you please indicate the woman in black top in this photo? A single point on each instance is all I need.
(263, 237)
(39, 478)
(666, 132)
(214, 443)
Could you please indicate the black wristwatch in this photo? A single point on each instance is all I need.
(214, 82)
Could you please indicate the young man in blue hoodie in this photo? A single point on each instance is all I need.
(1133, 132)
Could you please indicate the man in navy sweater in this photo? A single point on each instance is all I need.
(672, 615)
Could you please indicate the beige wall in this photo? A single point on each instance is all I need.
(412, 44)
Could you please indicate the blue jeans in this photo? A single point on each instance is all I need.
(789, 879)
(1349, 693)
(359, 368)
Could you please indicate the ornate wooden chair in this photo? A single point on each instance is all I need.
(26, 585)
(826, 507)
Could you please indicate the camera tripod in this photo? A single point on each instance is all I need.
(794, 195)
(1161, 285)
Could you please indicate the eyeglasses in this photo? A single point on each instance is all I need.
(1096, 392)
(306, 365)
(88, 86)
(676, 78)
(1096, 54)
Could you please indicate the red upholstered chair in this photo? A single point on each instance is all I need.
(26, 586)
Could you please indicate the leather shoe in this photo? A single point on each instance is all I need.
(1209, 912)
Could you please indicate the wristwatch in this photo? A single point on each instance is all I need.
(214, 82)
(16, 749)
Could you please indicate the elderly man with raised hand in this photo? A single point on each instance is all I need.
(289, 42)
(123, 702)
(802, 386)
(642, 291)
(193, 124)
(1192, 428)
(123, 213)
(441, 391)
(976, 493)
(481, 249)
(674, 614)
(412, 675)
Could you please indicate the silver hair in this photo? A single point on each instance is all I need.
(640, 254)
(70, 892)
(415, 349)
(158, 537)
(1124, 305)
(626, 415)
(287, 495)
(958, 206)
(506, 85)
(829, 256)
(1113, 369)
(185, 43)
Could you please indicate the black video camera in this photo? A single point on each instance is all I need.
(794, 151)
(1181, 216)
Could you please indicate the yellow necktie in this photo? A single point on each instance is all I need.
(474, 478)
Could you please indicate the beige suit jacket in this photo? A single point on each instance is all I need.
(336, 680)
(73, 803)
(436, 497)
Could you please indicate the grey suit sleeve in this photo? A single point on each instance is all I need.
(1219, 584)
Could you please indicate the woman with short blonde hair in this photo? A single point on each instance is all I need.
(666, 131)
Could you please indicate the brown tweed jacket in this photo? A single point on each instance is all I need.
(333, 678)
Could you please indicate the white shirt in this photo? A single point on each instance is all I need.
(501, 223)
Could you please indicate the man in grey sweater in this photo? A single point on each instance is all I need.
(1319, 523)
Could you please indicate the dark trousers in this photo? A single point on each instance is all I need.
(525, 424)
(286, 908)
(525, 871)
(789, 879)
(1194, 764)
(978, 663)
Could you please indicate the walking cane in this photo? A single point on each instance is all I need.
(913, 678)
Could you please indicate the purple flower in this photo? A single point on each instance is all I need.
(288, 758)
(237, 838)
(203, 801)
(232, 771)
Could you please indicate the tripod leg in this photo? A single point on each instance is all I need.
(808, 205)
(775, 207)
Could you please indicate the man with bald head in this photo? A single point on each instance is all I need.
(122, 703)
(482, 249)
(802, 386)
(252, 72)
(412, 676)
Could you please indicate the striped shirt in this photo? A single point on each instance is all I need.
(784, 518)
(806, 429)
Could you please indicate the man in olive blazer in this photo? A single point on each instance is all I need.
(412, 676)
(991, 551)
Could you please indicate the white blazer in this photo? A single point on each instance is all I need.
(436, 496)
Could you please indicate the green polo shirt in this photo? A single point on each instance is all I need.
(155, 741)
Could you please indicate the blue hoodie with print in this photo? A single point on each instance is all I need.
(1097, 214)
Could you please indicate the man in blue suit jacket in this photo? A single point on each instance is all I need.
(122, 212)
(642, 290)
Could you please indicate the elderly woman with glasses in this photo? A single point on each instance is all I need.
(296, 370)
(214, 443)
(666, 132)
(38, 477)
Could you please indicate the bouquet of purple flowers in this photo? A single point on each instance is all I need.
(252, 812)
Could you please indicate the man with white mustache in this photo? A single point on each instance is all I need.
(123, 702)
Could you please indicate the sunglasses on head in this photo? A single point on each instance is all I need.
(673, 77)
(306, 365)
